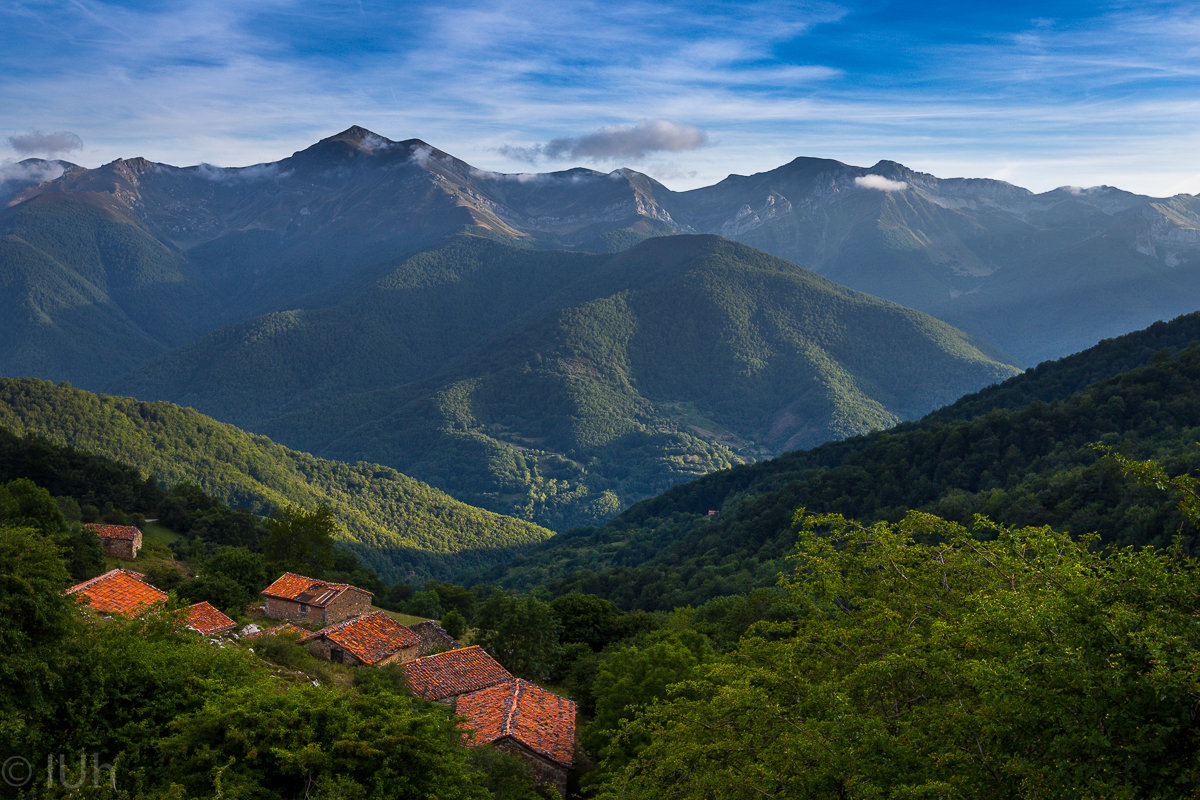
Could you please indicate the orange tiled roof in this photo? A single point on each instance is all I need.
(204, 618)
(113, 531)
(119, 591)
(538, 719)
(309, 591)
(454, 672)
(371, 637)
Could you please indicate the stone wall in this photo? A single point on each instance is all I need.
(350, 603)
(544, 771)
(278, 608)
(122, 548)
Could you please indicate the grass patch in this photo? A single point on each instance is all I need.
(153, 533)
(403, 619)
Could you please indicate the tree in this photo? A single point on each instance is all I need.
(247, 569)
(309, 742)
(929, 659)
(589, 619)
(521, 631)
(301, 540)
(454, 623)
(632, 678)
(25, 504)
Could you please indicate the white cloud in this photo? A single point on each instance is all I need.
(880, 183)
(29, 173)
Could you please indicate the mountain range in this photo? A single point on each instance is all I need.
(559, 345)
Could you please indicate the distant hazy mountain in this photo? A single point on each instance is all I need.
(1039, 276)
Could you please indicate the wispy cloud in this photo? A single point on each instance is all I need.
(1098, 95)
(616, 142)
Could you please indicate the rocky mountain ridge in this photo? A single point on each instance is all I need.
(999, 261)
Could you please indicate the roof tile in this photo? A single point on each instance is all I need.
(309, 591)
(119, 591)
(112, 531)
(541, 720)
(370, 637)
(454, 672)
(204, 618)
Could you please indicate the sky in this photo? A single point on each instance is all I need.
(1041, 94)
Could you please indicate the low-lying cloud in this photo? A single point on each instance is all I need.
(616, 142)
(50, 145)
(257, 172)
(880, 183)
(29, 174)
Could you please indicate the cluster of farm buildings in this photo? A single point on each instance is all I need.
(498, 708)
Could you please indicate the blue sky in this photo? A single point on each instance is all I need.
(1040, 94)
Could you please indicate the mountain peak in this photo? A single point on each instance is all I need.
(360, 138)
(355, 132)
(891, 169)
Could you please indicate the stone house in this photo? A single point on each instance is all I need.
(445, 676)
(373, 639)
(204, 618)
(434, 638)
(528, 721)
(119, 591)
(296, 597)
(120, 541)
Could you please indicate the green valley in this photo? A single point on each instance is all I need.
(401, 527)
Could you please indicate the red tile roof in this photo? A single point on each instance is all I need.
(454, 672)
(119, 591)
(204, 618)
(370, 637)
(113, 531)
(538, 719)
(309, 591)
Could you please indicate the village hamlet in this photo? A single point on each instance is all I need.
(496, 707)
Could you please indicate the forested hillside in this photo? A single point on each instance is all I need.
(559, 386)
(401, 527)
(1019, 453)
